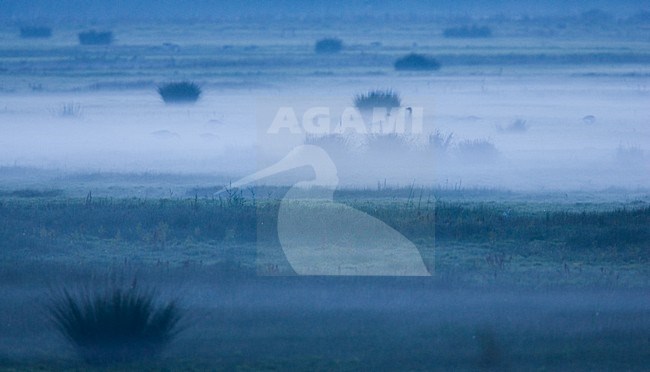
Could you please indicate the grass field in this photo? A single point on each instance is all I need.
(515, 284)
(570, 238)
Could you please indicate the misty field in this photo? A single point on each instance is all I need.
(515, 284)
(521, 180)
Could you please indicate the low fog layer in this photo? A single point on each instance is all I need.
(556, 133)
(544, 103)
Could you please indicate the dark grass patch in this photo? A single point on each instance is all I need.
(418, 215)
(35, 32)
(472, 31)
(93, 37)
(33, 193)
(115, 325)
(180, 92)
(416, 62)
(136, 221)
(328, 46)
(387, 98)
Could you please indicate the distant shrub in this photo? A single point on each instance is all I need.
(479, 150)
(439, 142)
(517, 126)
(467, 32)
(416, 62)
(35, 32)
(93, 37)
(180, 92)
(68, 110)
(589, 119)
(328, 46)
(388, 99)
(115, 325)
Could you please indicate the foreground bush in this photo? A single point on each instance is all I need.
(467, 32)
(328, 46)
(116, 325)
(377, 98)
(181, 92)
(35, 32)
(416, 62)
(93, 37)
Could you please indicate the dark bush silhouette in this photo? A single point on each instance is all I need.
(467, 32)
(377, 98)
(116, 325)
(180, 92)
(416, 62)
(35, 32)
(93, 37)
(328, 46)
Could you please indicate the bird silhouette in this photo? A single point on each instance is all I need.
(322, 237)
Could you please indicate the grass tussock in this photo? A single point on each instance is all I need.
(416, 62)
(386, 98)
(328, 46)
(68, 110)
(180, 92)
(116, 325)
(93, 37)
